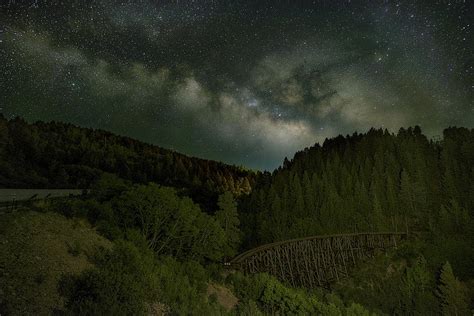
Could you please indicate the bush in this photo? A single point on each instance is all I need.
(121, 284)
(182, 286)
(248, 308)
(128, 279)
(273, 297)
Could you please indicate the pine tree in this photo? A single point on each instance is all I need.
(392, 208)
(228, 218)
(377, 217)
(297, 191)
(277, 218)
(453, 218)
(315, 187)
(308, 194)
(452, 293)
(407, 198)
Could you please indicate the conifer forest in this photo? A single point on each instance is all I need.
(236, 158)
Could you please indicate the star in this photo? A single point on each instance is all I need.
(241, 78)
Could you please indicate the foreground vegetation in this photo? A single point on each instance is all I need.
(134, 248)
(163, 254)
(36, 250)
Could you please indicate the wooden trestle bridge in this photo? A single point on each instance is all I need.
(314, 261)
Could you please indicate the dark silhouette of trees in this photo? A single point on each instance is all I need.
(60, 155)
(366, 182)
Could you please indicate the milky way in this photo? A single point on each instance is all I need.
(244, 82)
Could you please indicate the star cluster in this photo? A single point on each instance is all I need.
(245, 82)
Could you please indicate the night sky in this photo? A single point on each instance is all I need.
(244, 82)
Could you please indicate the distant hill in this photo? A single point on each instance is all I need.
(60, 155)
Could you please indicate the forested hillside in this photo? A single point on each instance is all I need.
(60, 155)
(376, 181)
(168, 250)
(379, 181)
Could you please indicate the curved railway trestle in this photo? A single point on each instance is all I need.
(314, 261)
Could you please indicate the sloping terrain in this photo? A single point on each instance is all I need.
(36, 249)
(59, 155)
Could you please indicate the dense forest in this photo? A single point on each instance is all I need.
(376, 181)
(161, 252)
(60, 155)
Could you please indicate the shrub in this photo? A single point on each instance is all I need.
(121, 284)
(273, 297)
(182, 286)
